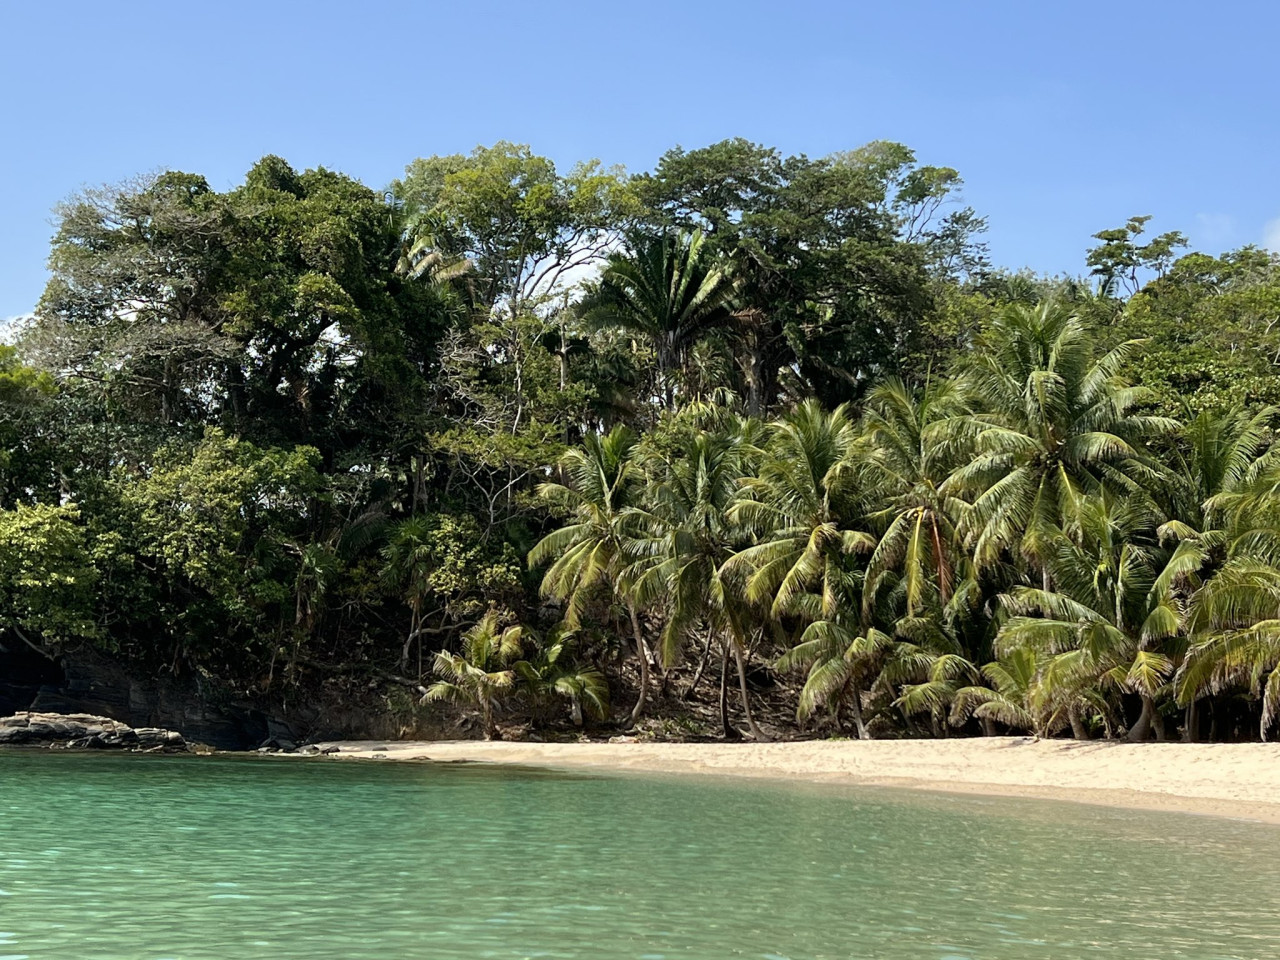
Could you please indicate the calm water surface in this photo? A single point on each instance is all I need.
(163, 858)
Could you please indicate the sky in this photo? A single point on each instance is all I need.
(1064, 118)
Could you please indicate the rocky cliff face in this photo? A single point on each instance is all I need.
(87, 682)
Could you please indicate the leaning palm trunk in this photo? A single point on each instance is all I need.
(725, 729)
(643, 655)
(756, 732)
(856, 703)
(1142, 729)
(1078, 728)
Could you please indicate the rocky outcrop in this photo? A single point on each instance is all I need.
(85, 681)
(84, 731)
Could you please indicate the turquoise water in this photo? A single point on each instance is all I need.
(164, 858)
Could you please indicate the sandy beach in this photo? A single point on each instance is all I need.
(1229, 780)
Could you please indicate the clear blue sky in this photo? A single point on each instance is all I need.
(1063, 117)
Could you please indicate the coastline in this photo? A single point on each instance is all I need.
(1234, 780)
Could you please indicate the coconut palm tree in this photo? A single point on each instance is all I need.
(1109, 620)
(588, 554)
(804, 508)
(689, 535)
(1014, 696)
(480, 673)
(1225, 508)
(841, 662)
(1216, 475)
(805, 512)
(554, 672)
(1234, 617)
(668, 290)
(914, 439)
(1234, 623)
(936, 693)
(1055, 422)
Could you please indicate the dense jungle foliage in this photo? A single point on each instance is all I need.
(557, 443)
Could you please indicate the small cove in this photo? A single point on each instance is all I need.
(107, 857)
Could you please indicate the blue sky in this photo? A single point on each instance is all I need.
(1064, 118)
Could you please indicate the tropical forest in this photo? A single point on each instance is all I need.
(748, 445)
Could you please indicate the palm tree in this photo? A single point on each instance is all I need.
(668, 290)
(1056, 423)
(914, 440)
(554, 672)
(587, 553)
(1234, 622)
(1234, 617)
(480, 673)
(804, 509)
(689, 537)
(841, 662)
(1216, 475)
(935, 694)
(1107, 622)
(1014, 696)
(1224, 508)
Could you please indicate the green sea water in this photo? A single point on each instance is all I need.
(164, 858)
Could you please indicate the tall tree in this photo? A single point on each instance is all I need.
(1055, 422)
(1110, 618)
(588, 554)
(805, 513)
(667, 290)
(688, 536)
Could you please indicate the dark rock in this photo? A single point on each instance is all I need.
(87, 681)
(82, 731)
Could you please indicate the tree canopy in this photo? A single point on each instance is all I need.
(552, 442)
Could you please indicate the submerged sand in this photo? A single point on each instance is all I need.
(1220, 779)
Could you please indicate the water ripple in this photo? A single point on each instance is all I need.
(239, 859)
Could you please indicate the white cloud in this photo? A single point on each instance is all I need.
(1271, 235)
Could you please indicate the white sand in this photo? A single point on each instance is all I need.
(1234, 780)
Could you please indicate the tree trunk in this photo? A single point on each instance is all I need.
(756, 732)
(32, 644)
(856, 704)
(638, 710)
(490, 728)
(988, 726)
(1157, 724)
(1142, 729)
(725, 729)
(1078, 728)
(408, 643)
(702, 668)
(1189, 732)
(754, 391)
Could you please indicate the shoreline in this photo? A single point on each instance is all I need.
(1232, 780)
